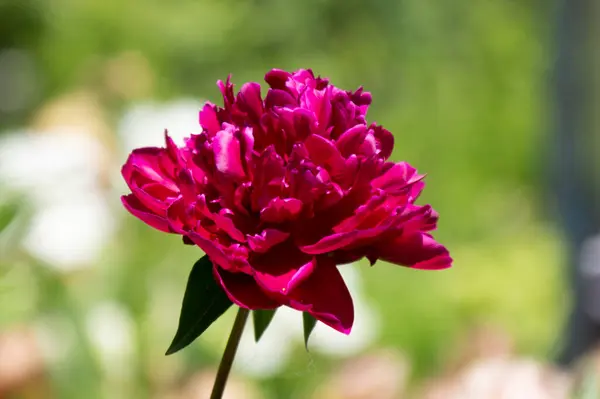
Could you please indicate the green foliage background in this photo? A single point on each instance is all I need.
(462, 84)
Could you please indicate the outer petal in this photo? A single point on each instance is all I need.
(279, 98)
(386, 141)
(325, 296)
(249, 100)
(340, 240)
(151, 163)
(415, 250)
(354, 237)
(154, 196)
(179, 216)
(137, 209)
(212, 249)
(282, 268)
(208, 119)
(276, 78)
(243, 290)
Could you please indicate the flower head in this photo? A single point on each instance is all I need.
(278, 191)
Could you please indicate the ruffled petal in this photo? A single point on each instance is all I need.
(267, 239)
(280, 210)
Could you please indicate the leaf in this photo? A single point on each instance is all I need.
(308, 322)
(204, 302)
(262, 318)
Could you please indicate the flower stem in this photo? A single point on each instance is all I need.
(229, 354)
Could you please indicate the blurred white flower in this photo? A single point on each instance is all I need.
(270, 355)
(58, 172)
(143, 124)
(366, 323)
(502, 378)
(110, 329)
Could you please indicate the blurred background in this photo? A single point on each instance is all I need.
(494, 100)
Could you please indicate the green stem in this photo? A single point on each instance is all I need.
(229, 354)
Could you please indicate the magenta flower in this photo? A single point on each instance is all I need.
(280, 191)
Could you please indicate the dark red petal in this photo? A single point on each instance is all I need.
(276, 78)
(386, 141)
(178, 217)
(342, 240)
(243, 290)
(261, 243)
(281, 210)
(155, 197)
(349, 142)
(249, 100)
(208, 119)
(279, 98)
(397, 178)
(283, 279)
(326, 297)
(228, 159)
(281, 268)
(137, 209)
(324, 153)
(211, 249)
(415, 250)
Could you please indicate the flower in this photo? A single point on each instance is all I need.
(280, 191)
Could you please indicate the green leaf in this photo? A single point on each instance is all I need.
(308, 323)
(262, 318)
(204, 302)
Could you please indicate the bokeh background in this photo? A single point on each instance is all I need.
(90, 296)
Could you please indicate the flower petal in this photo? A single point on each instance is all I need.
(208, 119)
(137, 209)
(279, 210)
(211, 249)
(276, 78)
(415, 250)
(243, 290)
(282, 268)
(264, 241)
(325, 296)
(385, 141)
(350, 141)
(397, 178)
(249, 100)
(227, 154)
(324, 153)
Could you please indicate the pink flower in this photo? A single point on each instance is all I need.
(280, 191)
